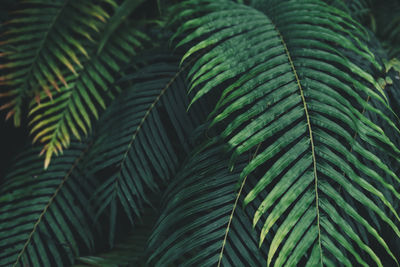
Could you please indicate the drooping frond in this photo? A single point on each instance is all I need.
(203, 223)
(388, 82)
(143, 136)
(289, 87)
(66, 55)
(71, 111)
(45, 219)
(42, 41)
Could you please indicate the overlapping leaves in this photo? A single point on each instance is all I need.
(71, 111)
(289, 88)
(201, 223)
(62, 53)
(143, 136)
(45, 219)
(300, 105)
(43, 39)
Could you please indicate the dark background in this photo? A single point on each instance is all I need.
(11, 139)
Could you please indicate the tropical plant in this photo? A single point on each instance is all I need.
(201, 133)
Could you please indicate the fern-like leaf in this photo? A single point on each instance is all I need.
(202, 223)
(72, 110)
(289, 87)
(39, 47)
(45, 219)
(141, 136)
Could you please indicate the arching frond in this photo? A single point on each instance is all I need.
(290, 88)
(203, 223)
(62, 53)
(143, 136)
(72, 109)
(45, 219)
(40, 46)
(296, 163)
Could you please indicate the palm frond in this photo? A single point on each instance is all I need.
(202, 223)
(71, 111)
(289, 87)
(143, 136)
(39, 45)
(389, 87)
(45, 219)
(295, 164)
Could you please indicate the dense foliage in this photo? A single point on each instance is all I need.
(200, 133)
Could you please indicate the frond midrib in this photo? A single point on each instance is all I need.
(147, 114)
(121, 162)
(314, 159)
(42, 44)
(228, 227)
(43, 213)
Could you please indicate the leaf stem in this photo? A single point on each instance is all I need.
(311, 142)
(233, 212)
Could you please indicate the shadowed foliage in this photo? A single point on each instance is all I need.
(200, 133)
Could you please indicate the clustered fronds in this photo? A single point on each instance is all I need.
(208, 132)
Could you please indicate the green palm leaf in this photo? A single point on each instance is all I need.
(142, 136)
(45, 219)
(201, 223)
(71, 110)
(289, 88)
(296, 165)
(39, 46)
